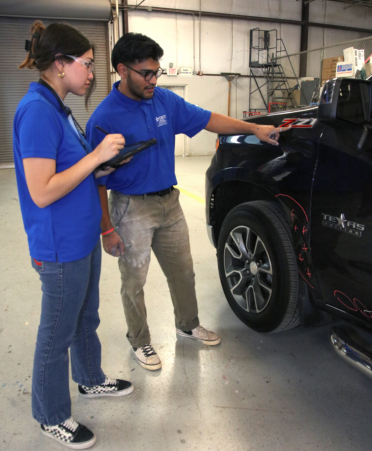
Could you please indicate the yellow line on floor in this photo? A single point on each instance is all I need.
(193, 196)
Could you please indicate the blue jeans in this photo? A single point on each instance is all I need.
(69, 319)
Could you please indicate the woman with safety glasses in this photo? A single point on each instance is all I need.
(55, 169)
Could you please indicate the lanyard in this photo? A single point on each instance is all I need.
(67, 111)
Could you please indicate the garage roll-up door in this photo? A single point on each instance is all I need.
(14, 82)
(62, 9)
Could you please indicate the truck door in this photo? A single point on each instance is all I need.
(341, 221)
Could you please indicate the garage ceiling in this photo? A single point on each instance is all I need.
(351, 3)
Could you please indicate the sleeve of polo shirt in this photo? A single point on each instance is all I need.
(39, 131)
(189, 119)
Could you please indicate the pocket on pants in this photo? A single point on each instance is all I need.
(37, 265)
(177, 192)
(118, 207)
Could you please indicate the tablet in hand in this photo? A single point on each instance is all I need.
(127, 152)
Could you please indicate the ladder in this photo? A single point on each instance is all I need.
(266, 72)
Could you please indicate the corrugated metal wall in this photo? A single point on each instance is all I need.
(14, 82)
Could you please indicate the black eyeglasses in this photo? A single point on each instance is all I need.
(147, 74)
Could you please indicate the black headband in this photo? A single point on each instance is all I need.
(28, 44)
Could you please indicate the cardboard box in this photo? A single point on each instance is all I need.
(354, 55)
(368, 68)
(296, 96)
(350, 54)
(331, 62)
(345, 69)
(329, 67)
(327, 74)
(360, 59)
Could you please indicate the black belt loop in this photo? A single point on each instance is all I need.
(161, 193)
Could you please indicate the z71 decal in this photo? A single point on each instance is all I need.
(298, 123)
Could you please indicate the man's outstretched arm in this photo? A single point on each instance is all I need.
(219, 123)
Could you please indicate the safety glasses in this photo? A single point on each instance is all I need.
(88, 64)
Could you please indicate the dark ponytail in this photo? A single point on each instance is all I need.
(37, 29)
(56, 39)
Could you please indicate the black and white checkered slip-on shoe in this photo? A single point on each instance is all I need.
(70, 434)
(111, 387)
(147, 357)
(201, 334)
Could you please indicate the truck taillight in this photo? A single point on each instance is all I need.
(217, 143)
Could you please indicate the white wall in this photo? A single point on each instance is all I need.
(224, 42)
(284, 9)
(210, 93)
(225, 46)
(335, 13)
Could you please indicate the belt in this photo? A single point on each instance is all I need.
(162, 192)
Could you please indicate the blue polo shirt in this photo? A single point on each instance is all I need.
(162, 117)
(69, 228)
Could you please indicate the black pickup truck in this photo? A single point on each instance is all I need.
(292, 224)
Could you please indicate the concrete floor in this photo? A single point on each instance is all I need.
(287, 391)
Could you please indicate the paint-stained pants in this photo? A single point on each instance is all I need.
(157, 223)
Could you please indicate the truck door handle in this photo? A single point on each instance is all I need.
(362, 140)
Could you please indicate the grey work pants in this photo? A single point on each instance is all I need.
(145, 222)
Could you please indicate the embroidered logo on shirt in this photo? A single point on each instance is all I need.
(161, 120)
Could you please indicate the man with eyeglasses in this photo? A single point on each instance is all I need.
(144, 211)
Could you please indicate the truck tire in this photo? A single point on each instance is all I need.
(257, 267)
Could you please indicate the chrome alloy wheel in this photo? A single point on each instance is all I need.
(248, 269)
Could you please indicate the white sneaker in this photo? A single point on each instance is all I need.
(147, 357)
(199, 333)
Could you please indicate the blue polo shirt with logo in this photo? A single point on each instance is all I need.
(69, 228)
(162, 117)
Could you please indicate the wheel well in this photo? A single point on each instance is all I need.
(228, 195)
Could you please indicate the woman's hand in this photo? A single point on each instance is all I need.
(101, 173)
(109, 147)
(46, 186)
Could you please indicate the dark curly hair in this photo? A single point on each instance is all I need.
(135, 47)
